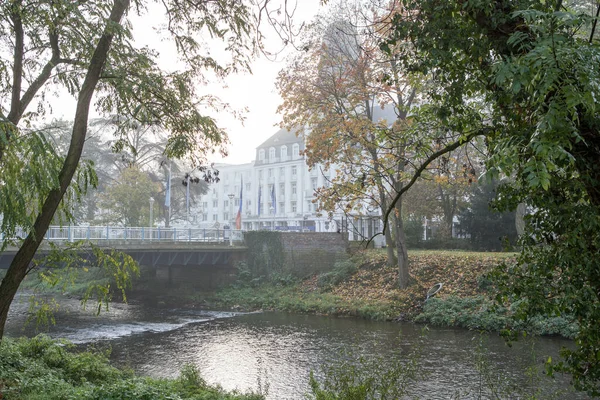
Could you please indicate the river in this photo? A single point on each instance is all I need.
(277, 351)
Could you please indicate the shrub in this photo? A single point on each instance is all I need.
(342, 270)
(43, 369)
(367, 378)
(480, 313)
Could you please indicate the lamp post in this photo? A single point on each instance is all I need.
(231, 196)
(272, 210)
(304, 222)
(151, 219)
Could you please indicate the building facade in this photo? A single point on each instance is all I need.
(276, 192)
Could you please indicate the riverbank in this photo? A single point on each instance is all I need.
(364, 286)
(41, 368)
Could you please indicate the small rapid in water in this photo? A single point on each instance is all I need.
(255, 351)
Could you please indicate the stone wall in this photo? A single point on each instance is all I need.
(307, 253)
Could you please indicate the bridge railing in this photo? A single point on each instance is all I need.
(101, 233)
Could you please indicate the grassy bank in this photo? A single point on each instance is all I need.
(364, 286)
(40, 368)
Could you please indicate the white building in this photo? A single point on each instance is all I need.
(277, 192)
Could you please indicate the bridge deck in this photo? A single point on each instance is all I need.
(148, 246)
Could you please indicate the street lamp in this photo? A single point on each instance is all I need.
(304, 222)
(231, 196)
(151, 219)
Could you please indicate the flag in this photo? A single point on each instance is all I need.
(238, 219)
(259, 192)
(168, 193)
(273, 199)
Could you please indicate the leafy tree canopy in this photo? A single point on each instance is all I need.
(532, 66)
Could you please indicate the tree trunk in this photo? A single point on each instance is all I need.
(403, 275)
(19, 266)
(389, 241)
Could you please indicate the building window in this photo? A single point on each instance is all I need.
(270, 172)
(261, 155)
(293, 187)
(294, 208)
(313, 182)
(294, 171)
(205, 204)
(295, 151)
(282, 171)
(281, 208)
(215, 203)
(214, 217)
(205, 217)
(282, 188)
(226, 217)
(272, 154)
(225, 203)
(237, 203)
(283, 153)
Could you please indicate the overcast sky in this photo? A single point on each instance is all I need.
(257, 93)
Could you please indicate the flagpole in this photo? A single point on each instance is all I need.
(187, 201)
(168, 197)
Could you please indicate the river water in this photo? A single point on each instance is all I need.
(277, 351)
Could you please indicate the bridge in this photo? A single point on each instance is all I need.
(205, 258)
(148, 246)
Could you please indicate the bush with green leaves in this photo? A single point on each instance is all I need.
(44, 369)
(367, 378)
(342, 270)
(481, 313)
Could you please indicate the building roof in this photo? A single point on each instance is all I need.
(281, 137)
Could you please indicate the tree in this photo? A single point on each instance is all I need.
(86, 47)
(353, 100)
(487, 228)
(126, 200)
(443, 189)
(531, 64)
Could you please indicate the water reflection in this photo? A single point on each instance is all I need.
(246, 351)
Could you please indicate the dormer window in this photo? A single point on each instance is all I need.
(295, 151)
(272, 154)
(261, 155)
(283, 153)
